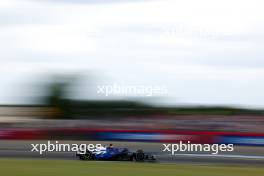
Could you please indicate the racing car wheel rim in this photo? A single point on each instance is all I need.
(140, 156)
(88, 156)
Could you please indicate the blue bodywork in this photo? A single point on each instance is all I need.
(115, 154)
(109, 153)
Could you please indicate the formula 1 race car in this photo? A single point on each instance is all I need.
(115, 154)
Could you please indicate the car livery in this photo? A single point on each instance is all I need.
(115, 154)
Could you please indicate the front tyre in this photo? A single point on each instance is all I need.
(87, 156)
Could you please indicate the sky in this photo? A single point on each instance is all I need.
(205, 52)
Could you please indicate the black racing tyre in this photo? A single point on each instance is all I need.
(139, 156)
(87, 156)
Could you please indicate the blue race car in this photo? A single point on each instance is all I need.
(115, 154)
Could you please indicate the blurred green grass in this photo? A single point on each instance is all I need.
(21, 167)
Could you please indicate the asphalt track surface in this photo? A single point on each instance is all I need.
(244, 156)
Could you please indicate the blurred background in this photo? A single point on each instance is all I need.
(182, 71)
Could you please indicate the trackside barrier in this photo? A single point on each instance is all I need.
(163, 136)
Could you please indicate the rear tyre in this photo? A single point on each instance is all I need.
(139, 156)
